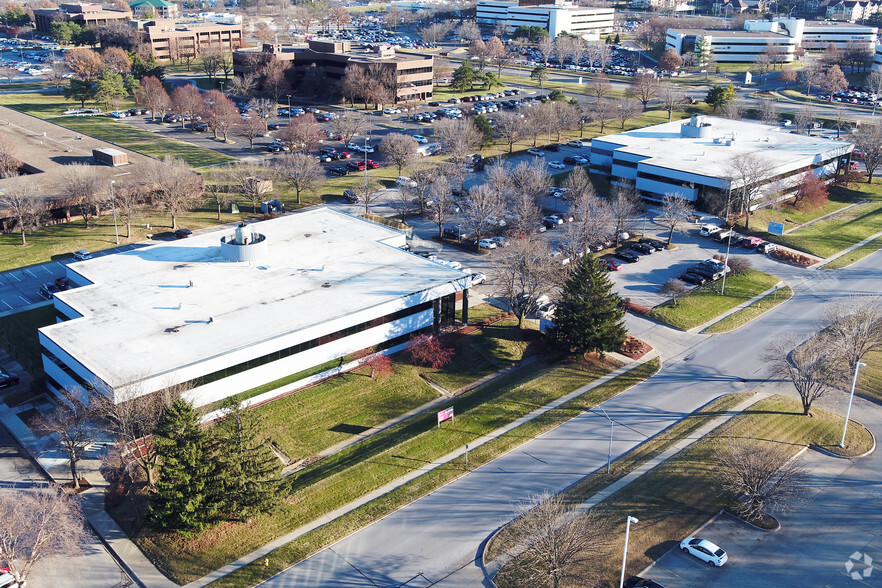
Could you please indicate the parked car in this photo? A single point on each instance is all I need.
(478, 278)
(183, 233)
(642, 248)
(704, 550)
(500, 241)
(405, 182)
(546, 310)
(721, 236)
(82, 255)
(574, 143)
(638, 582)
(575, 160)
(552, 147)
(338, 170)
(62, 283)
(709, 230)
(692, 278)
(654, 243)
(766, 247)
(626, 255)
(556, 165)
(534, 151)
(553, 220)
(751, 242)
(610, 264)
(420, 139)
(49, 290)
(485, 244)
(707, 272)
(7, 379)
(350, 196)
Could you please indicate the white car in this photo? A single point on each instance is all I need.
(82, 255)
(709, 230)
(485, 244)
(536, 152)
(556, 165)
(704, 550)
(391, 111)
(500, 241)
(360, 148)
(405, 181)
(579, 144)
(420, 139)
(546, 310)
(478, 278)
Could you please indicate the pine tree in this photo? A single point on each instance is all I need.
(248, 471)
(588, 316)
(184, 497)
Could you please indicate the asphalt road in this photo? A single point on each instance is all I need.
(435, 539)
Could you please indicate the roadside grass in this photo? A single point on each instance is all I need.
(855, 255)
(755, 310)
(681, 494)
(480, 312)
(869, 383)
(705, 302)
(791, 217)
(646, 451)
(364, 467)
(18, 336)
(314, 541)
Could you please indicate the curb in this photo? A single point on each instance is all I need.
(853, 457)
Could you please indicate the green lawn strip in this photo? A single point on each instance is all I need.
(705, 302)
(480, 312)
(46, 105)
(649, 449)
(855, 255)
(745, 315)
(57, 242)
(485, 351)
(137, 139)
(792, 217)
(869, 383)
(314, 541)
(18, 336)
(682, 493)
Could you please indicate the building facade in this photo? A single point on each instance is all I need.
(153, 9)
(694, 159)
(556, 17)
(86, 15)
(412, 74)
(231, 310)
(169, 39)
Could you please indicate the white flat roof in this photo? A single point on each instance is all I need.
(663, 146)
(137, 296)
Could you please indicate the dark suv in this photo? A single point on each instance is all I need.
(7, 378)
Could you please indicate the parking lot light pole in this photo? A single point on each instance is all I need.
(113, 203)
(850, 399)
(625, 556)
(609, 451)
(289, 108)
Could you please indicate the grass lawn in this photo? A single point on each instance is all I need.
(705, 302)
(869, 382)
(855, 255)
(56, 242)
(18, 335)
(480, 312)
(679, 495)
(301, 548)
(357, 470)
(755, 310)
(47, 105)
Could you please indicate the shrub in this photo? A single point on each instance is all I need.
(427, 350)
(739, 264)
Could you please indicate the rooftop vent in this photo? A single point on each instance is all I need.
(326, 285)
(243, 245)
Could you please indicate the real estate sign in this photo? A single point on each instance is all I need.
(445, 414)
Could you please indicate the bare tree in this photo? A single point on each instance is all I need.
(805, 118)
(509, 128)
(349, 125)
(458, 137)
(302, 172)
(627, 109)
(219, 188)
(221, 114)
(85, 189)
(675, 213)
(807, 365)
(599, 87)
(484, 211)
(546, 49)
(748, 174)
(768, 111)
(251, 128)
(186, 102)
(38, 525)
(400, 150)
(263, 107)
(23, 202)
(673, 288)
(368, 191)
(57, 73)
(602, 111)
(853, 327)
(301, 134)
(555, 540)
(672, 98)
(868, 139)
(761, 474)
(71, 424)
(9, 161)
(151, 94)
(423, 176)
(253, 180)
(175, 187)
(644, 88)
(523, 274)
(624, 204)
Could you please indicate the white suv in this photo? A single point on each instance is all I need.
(709, 230)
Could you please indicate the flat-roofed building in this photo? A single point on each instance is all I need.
(556, 17)
(237, 308)
(154, 9)
(693, 159)
(86, 15)
(412, 74)
(170, 38)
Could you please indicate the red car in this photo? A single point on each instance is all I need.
(611, 264)
(344, 155)
(357, 165)
(372, 164)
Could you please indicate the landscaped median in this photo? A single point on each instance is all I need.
(682, 493)
(705, 303)
(751, 312)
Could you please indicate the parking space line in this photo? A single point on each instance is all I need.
(7, 304)
(27, 302)
(30, 273)
(12, 275)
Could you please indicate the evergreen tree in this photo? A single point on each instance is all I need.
(183, 500)
(617, 40)
(141, 68)
(464, 77)
(110, 89)
(588, 316)
(248, 471)
(79, 90)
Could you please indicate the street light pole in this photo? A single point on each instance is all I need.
(728, 243)
(289, 108)
(625, 556)
(609, 451)
(850, 398)
(113, 203)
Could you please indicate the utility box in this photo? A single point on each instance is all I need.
(112, 157)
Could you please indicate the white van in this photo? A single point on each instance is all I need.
(709, 230)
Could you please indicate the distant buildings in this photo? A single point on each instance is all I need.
(778, 38)
(693, 159)
(154, 9)
(170, 39)
(556, 17)
(86, 15)
(851, 11)
(234, 309)
(413, 74)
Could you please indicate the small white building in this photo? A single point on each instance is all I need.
(692, 159)
(557, 17)
(233, 309)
